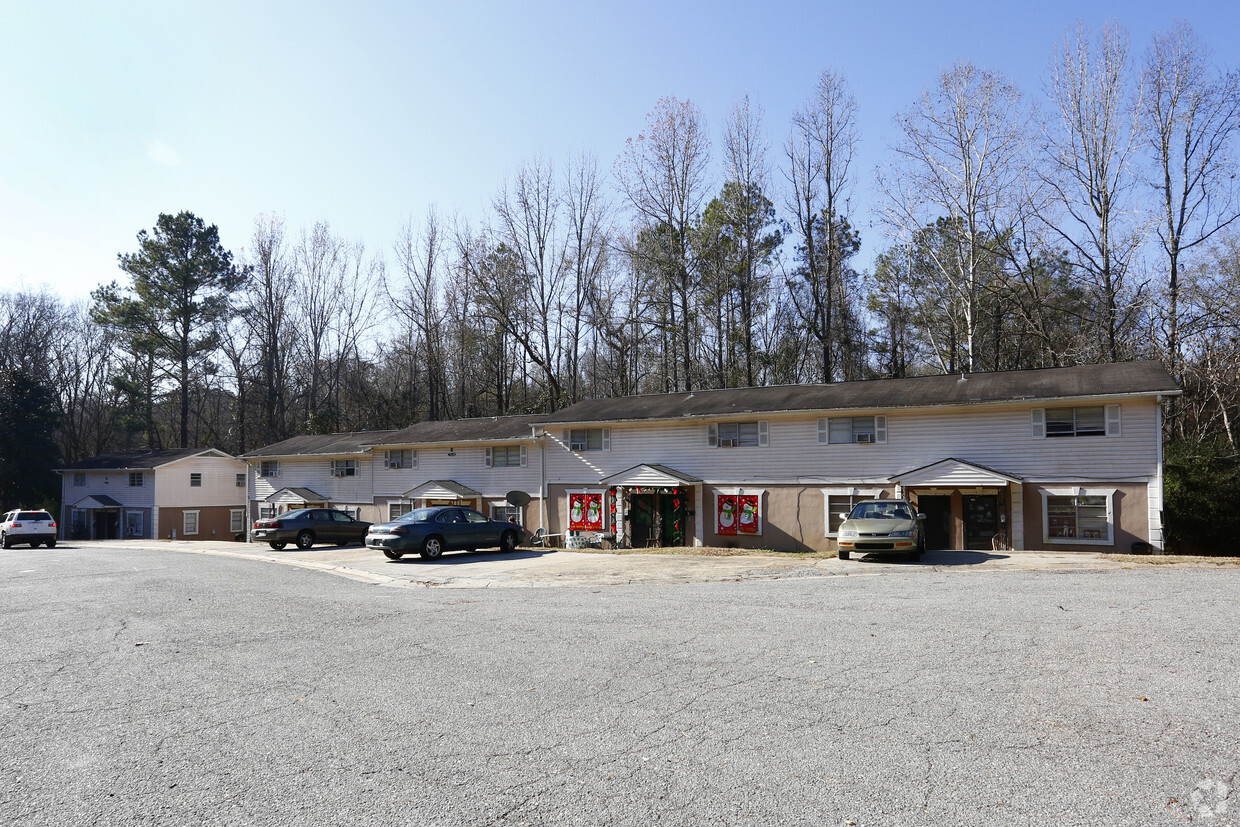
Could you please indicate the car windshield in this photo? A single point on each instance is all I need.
(881, 511)
(418, 515)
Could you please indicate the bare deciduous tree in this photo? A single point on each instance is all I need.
(961, 154)
(1191, 121)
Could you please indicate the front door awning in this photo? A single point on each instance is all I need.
(295, 496)
(650, 474)
(442, 490)
(97, 501)
(954, 473)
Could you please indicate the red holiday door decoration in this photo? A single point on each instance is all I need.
(747, 521)
(727, 514)
(585, 512)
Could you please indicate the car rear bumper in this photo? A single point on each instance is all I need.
(273, 535)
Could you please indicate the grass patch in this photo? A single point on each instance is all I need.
(714, 551)
(1174, 559)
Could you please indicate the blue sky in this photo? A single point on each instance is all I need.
(364, 114)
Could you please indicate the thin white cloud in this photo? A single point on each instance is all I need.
(162, 154)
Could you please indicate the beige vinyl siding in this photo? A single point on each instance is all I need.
(994, 436)
(219, 483)
(315, 473)
(468, 468)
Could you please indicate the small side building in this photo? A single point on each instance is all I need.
(189, 494)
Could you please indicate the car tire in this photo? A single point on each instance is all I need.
(432, 548)
(5, 541)
(305, 539)
(844, 555)
(51, 543)
(36, 543)
(277, 546)
(508, 542)
(392, 554)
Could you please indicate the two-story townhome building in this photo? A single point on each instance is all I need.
(1060, 458)
(474, 462)
(317, 470)
(190, 494)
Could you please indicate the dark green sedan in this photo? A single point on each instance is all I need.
(432, 531)
(307, 526)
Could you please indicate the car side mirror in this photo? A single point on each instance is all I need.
(843, 516)
(921, 516)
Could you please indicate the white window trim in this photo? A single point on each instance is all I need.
(241, 480)
(764, 433)
(197, 474)
(880, 430)
(395, 462)
(79, 475)
(604, 440)
(760, 493)
(1109, 493)
(1112, 419)
(828, 493)
(197, 523)
(140, 477)
(505, 505)
(489, 457)
(402, 502)
(341, 468)
(236, 515)
(606, 506)
(275, 468)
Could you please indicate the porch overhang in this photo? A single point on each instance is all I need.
(650, 474)
(96, 501)
(954, 473)
(290, 496)
(442, 490)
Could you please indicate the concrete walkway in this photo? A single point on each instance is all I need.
(548, 568)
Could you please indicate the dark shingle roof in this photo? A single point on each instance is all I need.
(134, 459)
(319, 444)
(1117, 379)
(479, 429)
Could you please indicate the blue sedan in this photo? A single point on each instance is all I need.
(432, 531)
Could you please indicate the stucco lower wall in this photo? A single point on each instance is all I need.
(1130, 513)
(214, 523)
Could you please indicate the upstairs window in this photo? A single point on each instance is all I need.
(137, 479)
(344, 468)
(852, 430)
(241, 480)
(589, 439)
(401, 458)
(79, 480)
(1085, 420)
(738, 434)
(195, 480)
(506, 456)
(269, 468)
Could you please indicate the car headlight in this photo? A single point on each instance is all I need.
(847, 533)
(908, 533)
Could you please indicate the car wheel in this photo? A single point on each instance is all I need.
(392, 554)
(5, 541)
(36, 543)
(432, 548)
(51, 543)
(844, 555)
(277, 546)
(508, 543)
(305, 539)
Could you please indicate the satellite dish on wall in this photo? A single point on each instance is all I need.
(518, 498)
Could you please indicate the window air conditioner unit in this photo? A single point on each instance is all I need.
(576, 446)
(863, 437)
(393, 463)
(727, 442)
(338, 472)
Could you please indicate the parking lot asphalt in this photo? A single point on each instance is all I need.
(537, 568)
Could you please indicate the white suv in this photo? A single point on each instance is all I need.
(32, 527)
